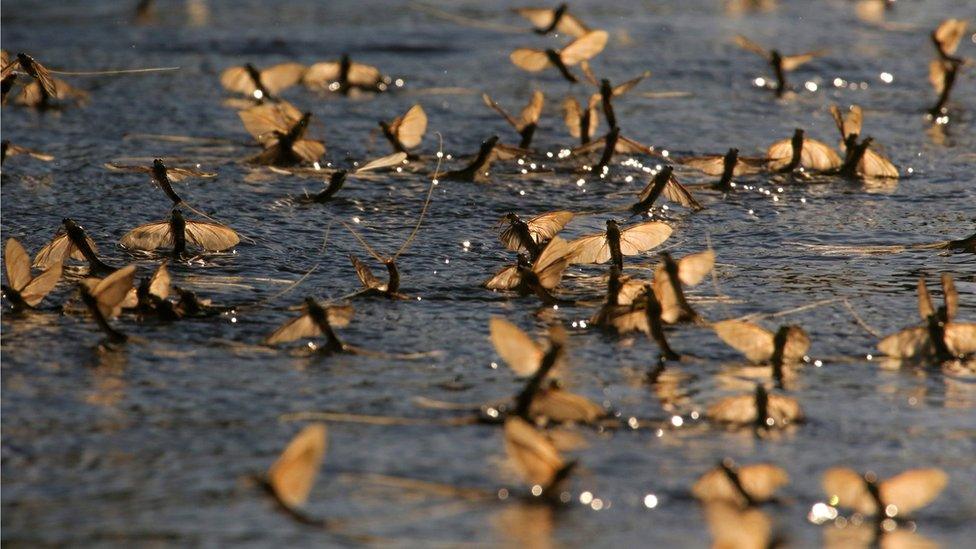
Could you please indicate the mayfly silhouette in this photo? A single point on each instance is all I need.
(177, 232)
(528, 119)
(316, 320)
(280, 128)
(263, 84)
(581, 49)
(407, 131)
(664, 183)
(532, 235)
(781, 64)
(104, 298)
(344, 76)
(581, 123)
(72, 242)
(23, 290)
(615, 243)
(553, 20)
(537, 277)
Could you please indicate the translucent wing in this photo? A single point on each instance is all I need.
(949, 33)
(179, 174)
(621, 89)
(732, 527)
(17, 264)
(39, 287)
(783, 409)
(497, 108)
(677, 193)
(59, 249)
(874, 164)
(262, 121)
(529, 60)
(110, 291)
(849, 489)
(366, 277)
(506, 279)
(756, 343)
(736, 409)
(237, 79)
(572, 113)
(626, 145)
(149, 236)
(562, 406)
(159, 284)
(925, 307)
(545, 226)
(643, 237)
(907, 343)
(692, 268)
(211, 236)
(321, 74)
(666, 295)
(48, 83)
(797, 344)
(364, 75)
(590, 249)
(960, 338)
(779, 154)
(541, 18)
(585, 47)
(950, 296)
(517, 349)
(569, 24)
(280, 77)
(913, 489)
(749, 45)
(293, 474)
(308, 150)
(339, 315)
(296, 328)
(412, 127)
(388, 161)
(530, 114)
(762, 480)
(792, 62)
(552, 262)
(817, 155)
(937, 72)
(536, 459)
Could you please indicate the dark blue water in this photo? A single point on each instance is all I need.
(153, 441)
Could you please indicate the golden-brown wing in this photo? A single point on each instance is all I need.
(667, 296)
(793, 62)
(569, 24)
(536, 459)
(846, 488)
(282, 76)
(817, 155)
(912, 489)
(692, 268)
(263, 121)
(874, 164)
(58, 250)
(40, 286)
(779, 154)
(949, 33)
(339, 315)
(320, 75)
(756, 343)
(293, 474)
(364, 75)
(552, 262)
(739, 410)
(541, 18)
(572, 113)
(410, 131)
(621, 89)
(149, 236)
(907, 343)
(783, 410)
(43, 76)
(626, 145)
(925, 307)
(17, 264)
(387, 161)
(506, 279)
(110, 291)
(590, 249)
(643, 237)
(675, 192)
(176, 174)
(749, 45)
(760, 481)
(585, 47)
(211, 236)
(797, 344)
(937, 71)
(545, 226)
(238, 80)
(530, 60)
(735, 528)
(159, 284)
(531, 113)
(950, 296)
(517, 349)
(308, 150)
(960, 338)
(365, 275)
(296, 328)
(562, 406)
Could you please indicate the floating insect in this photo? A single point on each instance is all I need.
(477, 169)
(943, 69)
(762, 410)
(26, 64)
(743, 486)
(315, 321)
(72, 242)
(535, 457)
(616, 243)
(872, 164)
(23, 290)
(643, 314)
(291, 477)
(671, 274)
(583, 48)
(337, 179)
(344, 76)
(726, 166)
(532, 235)
(9, 149)
(941, 337)
(104, 298)
(581, 123)
(407, 131)
(608, 91)
(163, 176)
(781, 64)
(558, 20)
(280, 128)
(150, 297)
(799, 151)
(262, 84)
(898, 496)
(537, 277)
(612, 143)
(664, 183)
(789, 345)
(734, 527)
(177, 231)
(528, 119)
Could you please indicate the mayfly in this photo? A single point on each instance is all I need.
(177, 231)
(23, 290)
(781, 64)
(528, 119)
(581, 49)
(71, 241)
